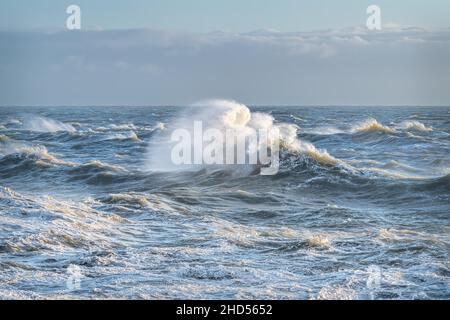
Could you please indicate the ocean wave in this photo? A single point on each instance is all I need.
(117, 127)
(123, 126)
(227, 114)
(130, 127)
(399, 170)
(41, 124)
(319, 241)
(131, 135)
(13, 122)
(320, 156)
(139, 203)
(15, 152)
(96, 172)
(394, 235)
(96, 166)
(413, 125)
(129, 199)
(395, 174)
(371, 125)
(20, 158)
(393, 164)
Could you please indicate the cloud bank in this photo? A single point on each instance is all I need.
(395, 66)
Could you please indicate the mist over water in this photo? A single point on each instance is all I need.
(360, 193)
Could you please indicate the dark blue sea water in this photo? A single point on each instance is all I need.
(360, 208)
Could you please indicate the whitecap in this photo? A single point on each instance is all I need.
(371, 125)
(41, 124)
(413, 125)
(319, 241)
(131, 135)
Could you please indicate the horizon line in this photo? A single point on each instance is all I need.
(248, 105)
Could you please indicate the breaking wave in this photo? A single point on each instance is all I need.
(228, 114)
(131, 135)
(371, 125)
(41, 124)
(14, 152)
(414, 125)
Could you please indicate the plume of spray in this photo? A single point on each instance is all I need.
(223, 115)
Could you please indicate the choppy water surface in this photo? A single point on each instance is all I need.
(360, 208)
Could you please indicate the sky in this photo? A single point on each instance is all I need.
(174, 52)
(222, 15)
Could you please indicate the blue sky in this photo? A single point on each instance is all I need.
(170, 52)
(229, 15)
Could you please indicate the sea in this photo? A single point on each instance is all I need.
(359, 207)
